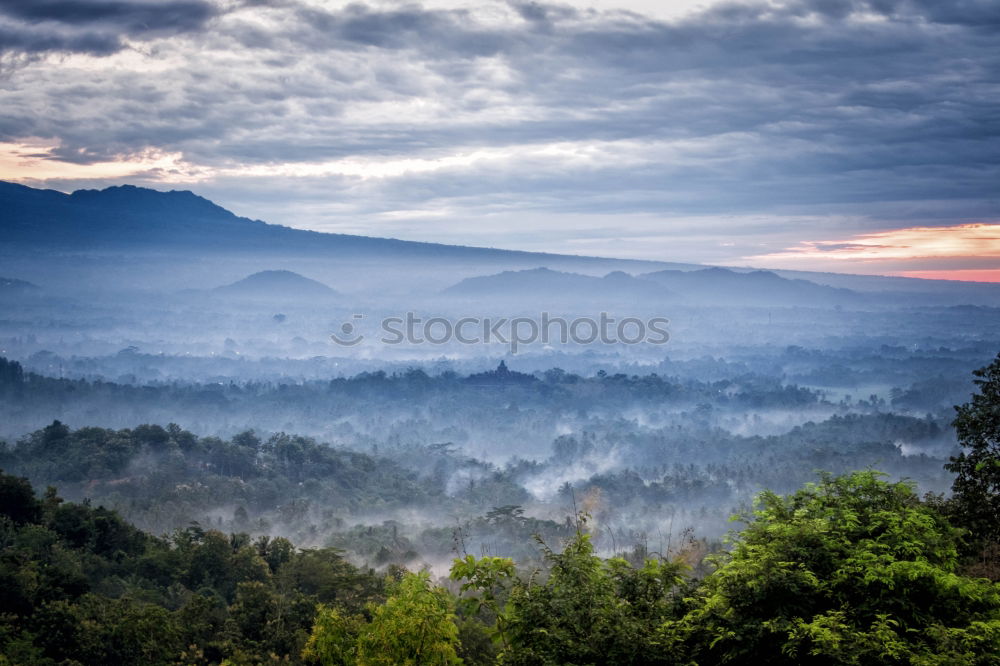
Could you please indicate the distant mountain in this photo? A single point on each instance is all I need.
(138, 238)
(721, 286)
(114, 217)
(709, 286)
(137, 218)
(559, 287)
(276, 285)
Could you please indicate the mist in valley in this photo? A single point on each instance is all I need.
(479, 332)
(468, 446)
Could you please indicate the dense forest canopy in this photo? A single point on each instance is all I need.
(499, 333)
(851, 569)
(410, 452)
(235, 488)
(848, 569)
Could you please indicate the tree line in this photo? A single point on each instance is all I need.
(849, 569)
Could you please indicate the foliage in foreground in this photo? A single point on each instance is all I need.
(81, 586)
(849, 570)
(415, 625)
(975, 503)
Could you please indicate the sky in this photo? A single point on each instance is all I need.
(854, 136)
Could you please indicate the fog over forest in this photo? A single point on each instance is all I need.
(760, 379)
(262, 444)
(364, 409)
(499, 333)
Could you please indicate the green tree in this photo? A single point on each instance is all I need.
(490, 577)
(849, 570)
(975, 500)
(334, 638)
(17, 499)
(415, 626)
(586, 611)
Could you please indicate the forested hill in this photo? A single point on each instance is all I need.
(849, 570)
(81, 586)
(367, 448)
(729, 433)
(33, 400)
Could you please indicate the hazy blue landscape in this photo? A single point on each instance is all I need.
(763, 378)
(499, 333)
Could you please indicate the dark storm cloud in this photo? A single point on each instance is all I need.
(809, 106)
(445, 32)
(896, 98)
(13, 39)
(96, 27)
(131, 17)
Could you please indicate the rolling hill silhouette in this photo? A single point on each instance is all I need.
(558, 286)
(167, 238)
(710, 286)
(721, 286)
(276, 285)
(126, 217)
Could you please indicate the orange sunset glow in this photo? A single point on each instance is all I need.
(964, 275)
(977, 241)
(34, 161)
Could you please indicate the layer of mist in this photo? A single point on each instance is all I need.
(127, 311)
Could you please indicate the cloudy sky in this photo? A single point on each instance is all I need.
(846, 135)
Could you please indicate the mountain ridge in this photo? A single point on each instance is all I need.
(546, 283)
(131, 221)
(708, 286)
(758, 287)
(124, 225)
